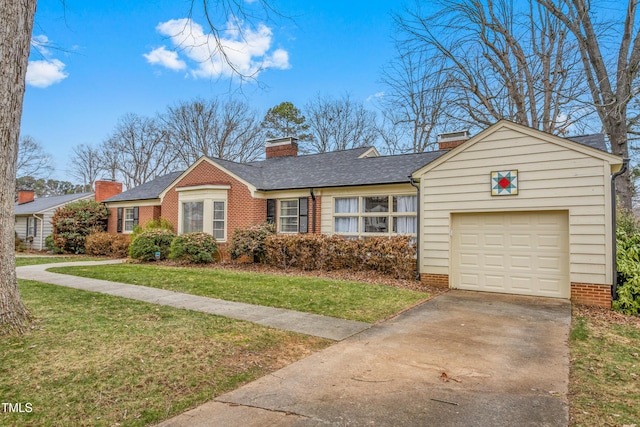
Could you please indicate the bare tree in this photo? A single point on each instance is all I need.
(414, 104)
(139, 150)
(32, 159)
(87, 163)
(16, 24)
(339, 124)
(610, 67)
(504, 60)
(227, 130)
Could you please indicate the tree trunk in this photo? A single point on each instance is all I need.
(16, 25)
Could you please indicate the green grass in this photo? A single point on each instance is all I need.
(605, 373)
(22, 261)
(93, 359)
(336, 298)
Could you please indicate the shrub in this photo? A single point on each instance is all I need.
(153, 224)
(50, 244)
(107, 244)
(194, 247)
(395, 255)
(628, 261)
(250, 241)
(74, 222)
(120, 246)
(19, 244)
(147, 243)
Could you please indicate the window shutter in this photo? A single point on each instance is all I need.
(303, 215)
(135, 216)
(119, 226)
(271, 211)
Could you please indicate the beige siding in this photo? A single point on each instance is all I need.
(551, 177)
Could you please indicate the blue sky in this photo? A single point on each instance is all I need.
(93, 62)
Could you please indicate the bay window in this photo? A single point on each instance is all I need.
(192, 217)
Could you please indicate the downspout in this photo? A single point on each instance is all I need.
(34, 237)
(413, 184)
(614, 288)
(313, 211)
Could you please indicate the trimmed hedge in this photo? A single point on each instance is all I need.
(147, 243)
(395, 255)
(194, 248)
(250, 241)
(107, 244)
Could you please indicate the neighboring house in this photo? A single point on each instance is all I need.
(511, 210)
(33, 215)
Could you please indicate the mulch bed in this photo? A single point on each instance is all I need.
(604, 315)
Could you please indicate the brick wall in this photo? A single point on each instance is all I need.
(438, 280)
(591, 294)
(242, 209)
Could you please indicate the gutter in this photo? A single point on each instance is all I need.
(614, 288)
(414, 184)
(313, 210)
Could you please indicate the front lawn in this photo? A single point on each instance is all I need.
(604, 387)
(93, 359)
(336, 298)
(27, 260)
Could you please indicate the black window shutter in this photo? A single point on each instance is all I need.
(303, 215)
(135, 216)
(119, 226)
(271, 211)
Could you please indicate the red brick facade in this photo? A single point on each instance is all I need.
(437, 280)
(242, 209)
(591, 294)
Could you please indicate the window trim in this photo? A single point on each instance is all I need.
(281, 216)
(391, 214)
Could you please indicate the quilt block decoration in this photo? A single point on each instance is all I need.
(504, 183)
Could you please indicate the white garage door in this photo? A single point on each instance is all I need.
(512, 252)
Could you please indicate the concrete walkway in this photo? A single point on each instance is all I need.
(289, 320)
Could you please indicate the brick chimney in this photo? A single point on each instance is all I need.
(107, 189)
(447, 141)
(282, 147)
(26, 196)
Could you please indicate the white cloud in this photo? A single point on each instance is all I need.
(44, 73)
(247, 49)
(376, 95)
(166, 58)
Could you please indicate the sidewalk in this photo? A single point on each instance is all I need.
(289, 320)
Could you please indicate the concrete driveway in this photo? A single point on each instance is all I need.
(461, 359)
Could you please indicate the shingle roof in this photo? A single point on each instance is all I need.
(594, 141)
(334, 169)
(148, 190)
(44, 204)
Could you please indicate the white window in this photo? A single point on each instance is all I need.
(288, 216)
(192, 217)
(346, 216)
(128, 220)
(375, 215)
(219, 221)
(404, 219)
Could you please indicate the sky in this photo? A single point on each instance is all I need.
(93, 62)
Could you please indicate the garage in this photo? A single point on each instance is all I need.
(524, 253)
